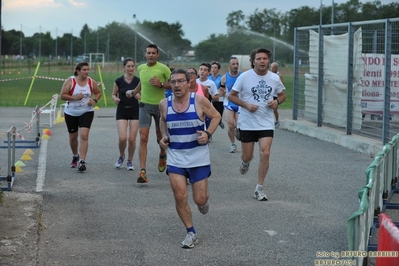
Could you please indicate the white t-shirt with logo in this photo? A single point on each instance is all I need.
(258, 90)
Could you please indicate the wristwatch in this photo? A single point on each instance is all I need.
(161, 85)
(209, 134)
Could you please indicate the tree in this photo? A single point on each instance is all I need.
(10, 42)
(266, 21)
(303, 16)
(222, 47)
(371, 10)
(350, 11)
(235, 21)
(389, 11)
(118, 46)
(244, 33)
(85, 30)
(168, 37)
(64, 45)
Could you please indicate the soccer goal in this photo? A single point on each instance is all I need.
(96, 58)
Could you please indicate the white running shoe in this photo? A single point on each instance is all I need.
(190, 240)
(119, 162)
(129, 165)
(233, 148)
(260, 195)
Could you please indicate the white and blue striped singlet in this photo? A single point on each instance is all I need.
(184, 150)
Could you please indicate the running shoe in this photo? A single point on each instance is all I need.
(277, 123)
(162, 163)
(119, 162)
(142, 177)
(82, 166)
(204, 209)
(260, 195)
(190, 240)
(129, 165)
(233, 148)
(244, 168)
(75, 160)
(221, 125)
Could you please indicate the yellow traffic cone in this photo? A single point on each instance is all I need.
(59, 118)
(18, 169)
(26, 157)
(45, 136)
(29, 151)
(96, 108)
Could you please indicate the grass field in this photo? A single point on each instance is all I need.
(15, 83)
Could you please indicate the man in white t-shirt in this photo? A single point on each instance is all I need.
(204, 71)
(256, 88)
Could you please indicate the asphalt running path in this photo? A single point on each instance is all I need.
(103, 217)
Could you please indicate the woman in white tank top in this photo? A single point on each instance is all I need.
(78, 91)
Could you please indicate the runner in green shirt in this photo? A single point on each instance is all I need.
(154, 78)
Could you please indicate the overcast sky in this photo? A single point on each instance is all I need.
(199, 18)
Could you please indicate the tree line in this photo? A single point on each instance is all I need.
(245, 31)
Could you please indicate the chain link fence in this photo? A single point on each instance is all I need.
(346, 76)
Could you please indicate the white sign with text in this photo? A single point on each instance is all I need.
(373, 84)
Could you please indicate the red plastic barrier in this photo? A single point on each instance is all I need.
(388, 243)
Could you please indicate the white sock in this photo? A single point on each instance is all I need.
(259, 188)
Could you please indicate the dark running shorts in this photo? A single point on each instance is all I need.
(255, 135)
(75, 122)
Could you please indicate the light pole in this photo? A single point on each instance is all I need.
(97, 41)
(332, 18)
(40, 43)
(135, 45)
(71, 58)
(135, 39)
(274, 42)
(84, 43)
(20, 48)
(321, 12)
